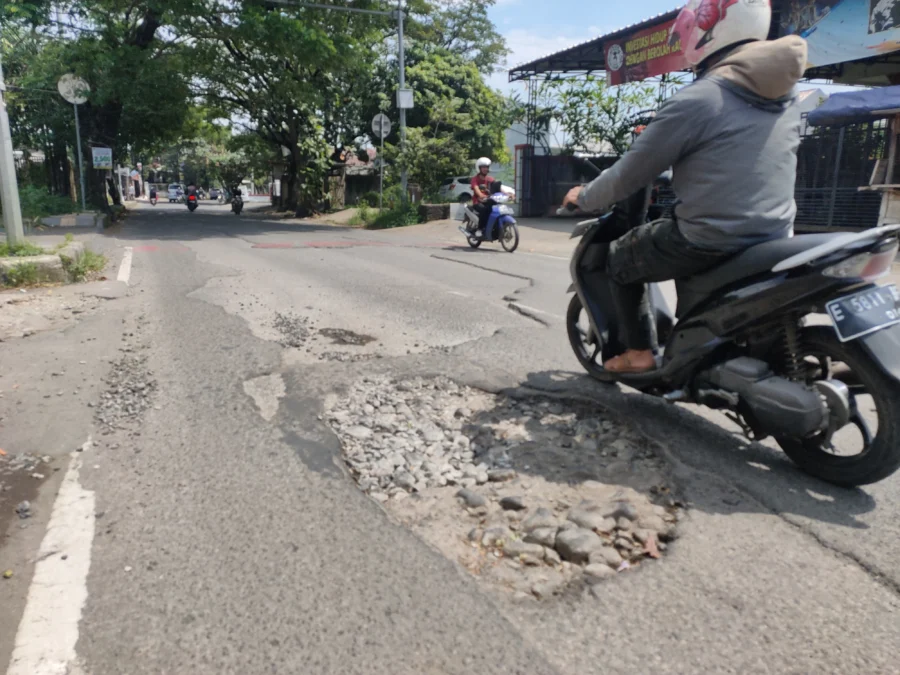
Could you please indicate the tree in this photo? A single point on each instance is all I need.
(138, 79)
(286, 75)
(457, 116)
(586, 115)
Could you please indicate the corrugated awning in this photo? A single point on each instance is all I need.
(585, 57)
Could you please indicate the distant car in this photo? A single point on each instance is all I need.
(176, 192)
(214, 192)
(457, 189)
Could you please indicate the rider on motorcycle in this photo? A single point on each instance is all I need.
(481, 184)
(731, 139)
(152, 193)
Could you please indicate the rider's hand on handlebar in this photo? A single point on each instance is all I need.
(570, 201)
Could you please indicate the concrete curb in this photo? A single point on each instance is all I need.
(50, 267)
(96, 221)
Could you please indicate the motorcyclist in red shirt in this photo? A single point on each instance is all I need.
(480, 185)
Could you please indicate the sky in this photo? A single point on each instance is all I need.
(534, 28)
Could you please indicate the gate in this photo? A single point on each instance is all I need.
(832, 164)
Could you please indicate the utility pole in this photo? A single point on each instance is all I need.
(397, 14)
(402, 63)
(9, 190)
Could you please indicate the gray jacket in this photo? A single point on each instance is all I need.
(731, 139)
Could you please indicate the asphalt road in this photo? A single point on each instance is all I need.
(218, 541)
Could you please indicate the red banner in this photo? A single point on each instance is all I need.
(643, 54)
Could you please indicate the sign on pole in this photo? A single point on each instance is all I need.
(381, 125)
(102, 158)
(75, 90)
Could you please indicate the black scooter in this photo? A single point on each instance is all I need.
(742, 340)
(237, 205)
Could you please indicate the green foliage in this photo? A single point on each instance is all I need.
(20, 251)
(37, 202)
(23, 274)
(586, 115)
(369, 199)
(363, 217)
(399, 216)
(88, 264)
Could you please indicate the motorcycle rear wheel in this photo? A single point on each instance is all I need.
(589, 355)
(880, 456)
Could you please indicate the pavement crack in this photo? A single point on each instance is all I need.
(518, 309)
(871, 570)
(486, 269)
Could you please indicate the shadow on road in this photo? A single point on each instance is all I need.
(697, 447)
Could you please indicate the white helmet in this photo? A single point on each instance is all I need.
(482, 161)
(705, 27)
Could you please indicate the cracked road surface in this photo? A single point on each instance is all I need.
(224, 535)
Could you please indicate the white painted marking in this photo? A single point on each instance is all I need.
(48, 631)
(464, 295)
(125, 267)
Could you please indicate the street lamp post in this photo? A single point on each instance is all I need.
(404, 100)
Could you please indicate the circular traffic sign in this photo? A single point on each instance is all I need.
(73, 89)
(381, 125)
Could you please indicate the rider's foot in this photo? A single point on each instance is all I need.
(632, 361)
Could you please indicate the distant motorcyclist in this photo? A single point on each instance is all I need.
(152, 193)
(731, 139)
(481, 191)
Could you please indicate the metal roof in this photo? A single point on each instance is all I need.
(584, 57)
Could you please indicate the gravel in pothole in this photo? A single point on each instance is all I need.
(532, 495)
(129, 391)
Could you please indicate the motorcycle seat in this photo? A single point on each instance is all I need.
(748, 263)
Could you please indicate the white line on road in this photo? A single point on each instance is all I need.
(48, 632)
(125, 267)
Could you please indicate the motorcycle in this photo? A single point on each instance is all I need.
(501, 224)
(742, 340)
(237, 205)
(192, 202)
(153, 201)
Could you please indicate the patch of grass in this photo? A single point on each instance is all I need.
(69, 239)
(37, 202)
(23, 274)
(88, 264)
(363, 217)
(20, 251)
(399, 216)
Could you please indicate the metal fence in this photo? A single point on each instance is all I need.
(832, 164)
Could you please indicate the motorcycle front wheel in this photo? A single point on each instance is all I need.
(509, 237)
(874, 399)
(474, 242)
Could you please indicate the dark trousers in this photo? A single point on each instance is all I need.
(651, 253)
(483, 211)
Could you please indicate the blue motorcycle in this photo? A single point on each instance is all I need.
(501, 226)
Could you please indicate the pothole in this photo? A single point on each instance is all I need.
(341, 336)
(295, 330)
(533, 496)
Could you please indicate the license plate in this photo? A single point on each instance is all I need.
(864, 312)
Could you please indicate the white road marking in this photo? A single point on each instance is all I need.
(464, 295)
(48, 631)
(125, 267)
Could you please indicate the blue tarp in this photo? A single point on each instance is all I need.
(852, 107)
